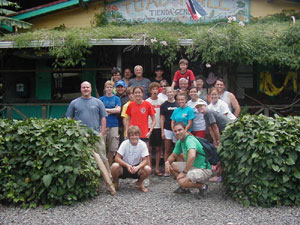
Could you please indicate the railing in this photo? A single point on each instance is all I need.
(6, 110)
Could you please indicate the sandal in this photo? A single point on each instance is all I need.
(158, 173)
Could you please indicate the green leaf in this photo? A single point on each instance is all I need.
(297, 174)
(47, 180)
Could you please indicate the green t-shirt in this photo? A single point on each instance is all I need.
(190, 142)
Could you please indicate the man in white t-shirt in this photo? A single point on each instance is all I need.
(131, 160)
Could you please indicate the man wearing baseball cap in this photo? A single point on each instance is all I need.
(121, 93)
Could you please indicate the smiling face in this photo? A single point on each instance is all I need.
(134, 138)
(220, 86)
(85, 89)
(183, 85)
(179, 132)
(183, 67)
(138, 94)
(120, 90)
(201, 108)
(181, 99)
(200, 84)
(116, 77)
(193, 94)
(163, 85)
(138, 71)
(214, 96)
(170, 93)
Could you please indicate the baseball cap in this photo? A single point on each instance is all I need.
(158, 67)
(121, 83)
(200, 102)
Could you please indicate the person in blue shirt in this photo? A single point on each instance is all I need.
(112, 105)
(183, 113)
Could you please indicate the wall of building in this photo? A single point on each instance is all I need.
(261, 8)
(75, 17)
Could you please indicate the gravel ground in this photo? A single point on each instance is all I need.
(158, 206)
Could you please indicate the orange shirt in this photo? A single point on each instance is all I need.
(139, 114)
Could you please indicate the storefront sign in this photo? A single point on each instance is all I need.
(187, 11)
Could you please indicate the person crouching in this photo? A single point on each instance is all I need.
(131, 160)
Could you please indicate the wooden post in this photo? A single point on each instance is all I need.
(9, 112)
(44, 112)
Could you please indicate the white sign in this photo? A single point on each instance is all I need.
(187, 11)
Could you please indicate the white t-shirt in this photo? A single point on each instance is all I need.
(162, 96)
(156, 104)
(198, 121)
(222, 108)
(133, 154)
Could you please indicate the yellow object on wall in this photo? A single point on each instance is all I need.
(266, 85)
(262, 8)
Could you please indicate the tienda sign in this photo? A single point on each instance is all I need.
(187, 11)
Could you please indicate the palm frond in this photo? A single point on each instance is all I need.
(13, 22)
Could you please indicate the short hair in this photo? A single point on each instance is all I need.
(183, 79)
(128, 69)
(133, 130)
(115, 70)
(181, 94)
(200, 77)
(169, 89)
(183, 61)
(213, 89)
(153, 85)
(164, 80)
(138, 87)
(109, 82)
(192, 87)
(221, 80)
(180, 124)
(129, 90)
(138, 66)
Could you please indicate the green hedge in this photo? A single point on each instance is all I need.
(261, 160)
(46, 162)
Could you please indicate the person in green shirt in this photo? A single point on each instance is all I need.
(194, 171)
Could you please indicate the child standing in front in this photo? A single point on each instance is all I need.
(112, 105)
(184, 72)
(155, 138)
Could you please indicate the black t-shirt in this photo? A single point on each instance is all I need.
(167, 109)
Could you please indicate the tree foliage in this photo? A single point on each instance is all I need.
(46, 162)
(272, 41)
(261, 160)
(7, 21)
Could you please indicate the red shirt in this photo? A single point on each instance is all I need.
(189, 75)
(139, 114)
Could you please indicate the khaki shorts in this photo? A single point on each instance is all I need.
(101, 148)
(112, 138)
(196, 175)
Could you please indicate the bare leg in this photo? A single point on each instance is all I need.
(116, 171)
(143, 173)
(187, 183)
(150, 155)
(157, 160)
(110, 157)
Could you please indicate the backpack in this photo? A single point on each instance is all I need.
(210, 151)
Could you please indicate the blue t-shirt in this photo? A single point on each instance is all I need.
(183, 115)
(110, 103)
(89, 111)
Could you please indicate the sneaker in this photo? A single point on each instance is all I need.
(146, 182)
(181, 190)
(203, 191)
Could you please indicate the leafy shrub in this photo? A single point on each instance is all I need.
(261, 160)
(46, 162)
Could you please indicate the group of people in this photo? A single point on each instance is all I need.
(136, 116)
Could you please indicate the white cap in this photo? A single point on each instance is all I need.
(200, 102)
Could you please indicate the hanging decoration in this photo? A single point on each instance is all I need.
(266, 85)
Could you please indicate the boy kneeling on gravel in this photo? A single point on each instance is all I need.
(195, 170)
(131, 160)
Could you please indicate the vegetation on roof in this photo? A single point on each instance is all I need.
(268, 41)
